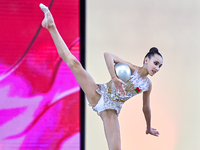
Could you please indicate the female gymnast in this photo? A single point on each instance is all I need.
(107, 99)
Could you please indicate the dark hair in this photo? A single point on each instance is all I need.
(152, 52)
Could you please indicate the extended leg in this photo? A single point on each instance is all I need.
(83, 78)
(111, 127)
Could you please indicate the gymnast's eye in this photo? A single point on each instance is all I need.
(156, 63)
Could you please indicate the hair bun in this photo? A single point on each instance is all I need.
(153, 50)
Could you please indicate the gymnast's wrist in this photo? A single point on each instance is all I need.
(113, 77)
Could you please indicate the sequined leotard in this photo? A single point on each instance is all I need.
(109, 98)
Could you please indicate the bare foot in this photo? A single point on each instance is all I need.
(48, 21)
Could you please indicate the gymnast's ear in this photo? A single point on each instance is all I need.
(146, 60)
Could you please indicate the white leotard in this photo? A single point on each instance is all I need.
(110, 100)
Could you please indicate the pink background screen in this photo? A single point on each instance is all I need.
(39, 96)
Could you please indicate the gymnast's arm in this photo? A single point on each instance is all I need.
(111, 60)
(147, 112)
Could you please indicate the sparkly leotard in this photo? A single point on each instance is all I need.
(109, 98)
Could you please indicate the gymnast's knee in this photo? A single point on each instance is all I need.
(74, 63)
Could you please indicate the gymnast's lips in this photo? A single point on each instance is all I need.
(153, 71)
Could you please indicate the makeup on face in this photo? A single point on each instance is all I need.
(157, 62)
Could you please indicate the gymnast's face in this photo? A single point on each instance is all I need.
(154, 64)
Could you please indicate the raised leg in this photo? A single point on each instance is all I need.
(83, 78)
(109, 117)
(111, 128)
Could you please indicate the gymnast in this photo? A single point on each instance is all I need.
(107, 99)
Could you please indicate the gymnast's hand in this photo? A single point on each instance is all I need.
(118, 86)
(152, 131)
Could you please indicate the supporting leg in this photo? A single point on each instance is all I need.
(111, 128)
